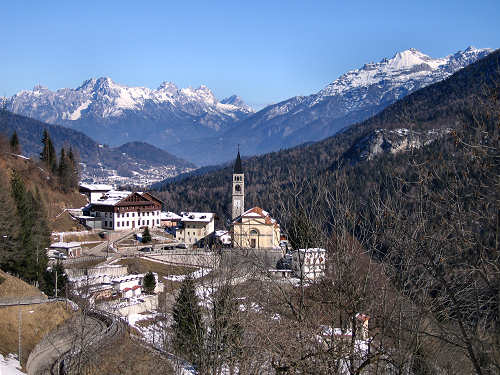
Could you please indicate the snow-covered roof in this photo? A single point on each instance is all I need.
(122, 279)
(167, 215)
(205, 217)
(112, 197)
(64, 245)
(96, 187)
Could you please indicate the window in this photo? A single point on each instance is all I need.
(147, 222)
(157, 221)
(254, 232)
(117, 224)
(127, 216)
(237, 188)
(127, 223)
(133, 214)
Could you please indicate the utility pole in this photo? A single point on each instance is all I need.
(19, 338)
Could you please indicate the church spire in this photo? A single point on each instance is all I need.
(238, 169)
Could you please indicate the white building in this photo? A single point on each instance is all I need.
(94, 191)
(309, 263)
(194, 226)
(71, 249)
(124, 210)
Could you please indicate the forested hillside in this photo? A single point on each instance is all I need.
(442, 105)
(33, 197)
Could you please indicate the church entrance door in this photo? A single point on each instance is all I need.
(253, 243)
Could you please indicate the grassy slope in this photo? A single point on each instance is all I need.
(13, 287)
(43, 319)
(54, 201)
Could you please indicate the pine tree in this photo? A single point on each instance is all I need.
(49, 287)
(146, 236)
(10, 226)
(188, 327)
(48, 154)
(74, 173)
(34, 234)
(149, 282)
(15, 147)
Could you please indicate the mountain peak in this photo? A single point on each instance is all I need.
(407, 59)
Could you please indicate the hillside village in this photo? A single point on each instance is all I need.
(132, 253)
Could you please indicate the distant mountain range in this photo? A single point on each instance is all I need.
(135, 163)
(114, 114)
(353, 97)
(194, 125)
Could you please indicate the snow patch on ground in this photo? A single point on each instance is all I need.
(194, 275)
(10, 365)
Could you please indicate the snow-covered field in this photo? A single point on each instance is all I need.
(9, 365)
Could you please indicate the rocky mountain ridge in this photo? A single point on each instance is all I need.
(115, 113)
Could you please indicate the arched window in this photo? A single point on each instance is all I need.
(237, 188)
(254, 232)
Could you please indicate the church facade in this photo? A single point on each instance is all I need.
(253, 228)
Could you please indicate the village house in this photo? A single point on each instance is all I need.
(70, 249)
(169, 219)
(124, 210)
(195, 226)
(94, 191)
(309, 263)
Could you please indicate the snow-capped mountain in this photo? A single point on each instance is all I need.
(115, 113)
(353, 97)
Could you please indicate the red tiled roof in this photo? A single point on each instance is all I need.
(268, 220)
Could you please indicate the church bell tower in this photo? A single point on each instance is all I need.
(238, 188)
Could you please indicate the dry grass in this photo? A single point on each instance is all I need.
(126, 357)
(83, 265)
(14, 287)
(141, 265)
(43, 319)
(82, 237)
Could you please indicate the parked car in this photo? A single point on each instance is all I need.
(181, 246)
(168, 247)
(146, 249)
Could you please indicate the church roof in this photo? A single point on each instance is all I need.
(238, 169)
(258, 213)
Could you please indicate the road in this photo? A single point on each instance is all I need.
(77, 338)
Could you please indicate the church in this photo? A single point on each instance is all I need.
(253, 228)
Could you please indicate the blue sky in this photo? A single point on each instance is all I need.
(264, 51)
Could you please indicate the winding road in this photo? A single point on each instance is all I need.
(75, 340)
